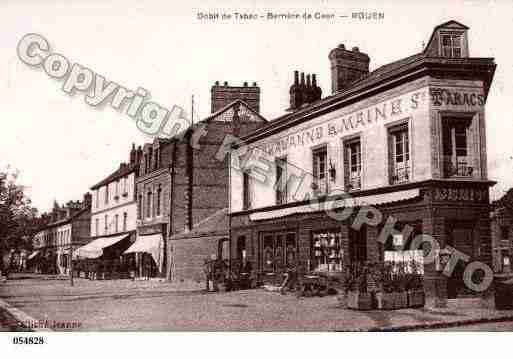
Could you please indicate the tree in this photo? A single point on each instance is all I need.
(17, 216)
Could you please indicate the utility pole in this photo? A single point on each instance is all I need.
(71, 263)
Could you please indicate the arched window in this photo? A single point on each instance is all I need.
(159, 200)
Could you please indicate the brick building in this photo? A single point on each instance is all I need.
(64, 228)
(181, 182)
(407, 139)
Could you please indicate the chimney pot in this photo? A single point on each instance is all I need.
(254, 84)
(217, 83)
(245, 84)
(341, 46)
(226, 83)
(355, 49)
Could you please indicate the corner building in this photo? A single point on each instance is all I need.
(407, 139)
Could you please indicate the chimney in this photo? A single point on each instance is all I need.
(132, 155)
(224, 95)
(296, 96)
(303, 92)
(316, 90)
(347, 67)
(87, 200)
(138, 154)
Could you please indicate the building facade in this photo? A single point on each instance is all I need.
(407, 139)
(65, 228)
(181, 182)
(502, 232)
(113, 218)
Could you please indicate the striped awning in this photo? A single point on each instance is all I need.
(152, 244)
(95, 248)
(370, 200)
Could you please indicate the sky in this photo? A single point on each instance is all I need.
(62, 146)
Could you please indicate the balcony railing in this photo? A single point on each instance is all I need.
(401, 175)
(320, 187)
(355, 181)
(457, 168)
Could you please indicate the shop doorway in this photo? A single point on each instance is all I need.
(461, 237)
(358, 245)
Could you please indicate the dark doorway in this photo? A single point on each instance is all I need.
(461, 237)
(358, 245)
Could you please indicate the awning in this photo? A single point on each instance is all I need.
(152, 244)
(33, 254)
(371, 200)
(95, 248)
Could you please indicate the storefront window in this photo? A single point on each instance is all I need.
(399, 255)
(279, 252)
(327, 253)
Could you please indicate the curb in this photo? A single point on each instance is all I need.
(436, 325)
(21, 317)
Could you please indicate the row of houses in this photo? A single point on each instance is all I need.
(407, 139)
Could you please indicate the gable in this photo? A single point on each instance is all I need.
(448, 40)
(237, 110)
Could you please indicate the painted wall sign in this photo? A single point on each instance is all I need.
(352, 122)
(460, 194)
(441, 97)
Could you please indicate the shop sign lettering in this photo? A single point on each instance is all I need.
(446, 97)
(460, 194)
(359, 120)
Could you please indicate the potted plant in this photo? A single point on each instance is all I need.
(385, 296)
(357, 295)
(415, 289)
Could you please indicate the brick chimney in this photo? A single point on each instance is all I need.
(88, 198)
(133, 155)
(347, 67)
(223, 95)
(303, 92)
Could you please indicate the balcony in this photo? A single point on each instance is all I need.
(457, 168)
(354, 181)
(401, 175)
(320, 187)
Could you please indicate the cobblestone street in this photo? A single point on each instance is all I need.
(129, 305)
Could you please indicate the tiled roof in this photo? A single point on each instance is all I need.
(120, 172)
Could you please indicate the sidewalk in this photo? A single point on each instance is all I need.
(150, 306)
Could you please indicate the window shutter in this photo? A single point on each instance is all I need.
(390, 158)
(346, 154)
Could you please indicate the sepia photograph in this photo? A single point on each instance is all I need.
(303, 167)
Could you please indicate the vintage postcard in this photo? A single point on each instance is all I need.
(220, 166)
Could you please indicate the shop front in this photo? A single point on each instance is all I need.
(280, 238)
(147, 255)
(102, 257)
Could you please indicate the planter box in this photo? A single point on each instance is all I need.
(359, 300)
(416, 298)
(401, 300)
(386, 301)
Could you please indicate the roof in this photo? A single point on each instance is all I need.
(65, 220)
(362, 86)
(228, 106)
(215, 225)
(120, 172)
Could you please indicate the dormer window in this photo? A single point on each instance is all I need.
(451, 45)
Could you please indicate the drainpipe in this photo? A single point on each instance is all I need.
(171, 204)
